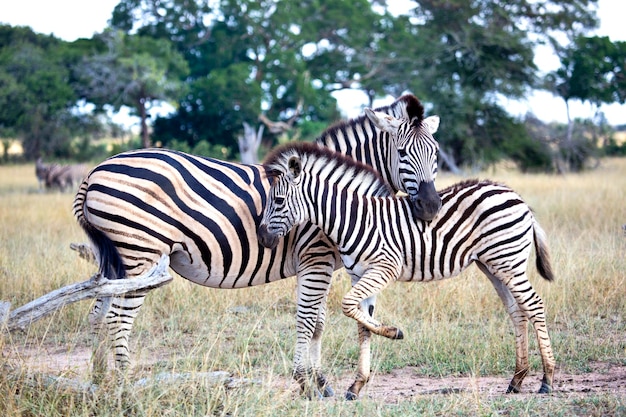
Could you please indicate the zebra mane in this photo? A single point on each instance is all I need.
(276, 164)
(406, 107)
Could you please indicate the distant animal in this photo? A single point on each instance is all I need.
(381, 242)
(204, 213)
(41, 171)
(62, 177)
(66, 177)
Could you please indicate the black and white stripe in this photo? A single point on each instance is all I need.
(204, 213)
(380, 241)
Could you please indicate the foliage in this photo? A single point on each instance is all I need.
(252, 63)
(225, 63)
(134, 71)
(468, 54)
(592, 69)
(615, 149)
(35, 96)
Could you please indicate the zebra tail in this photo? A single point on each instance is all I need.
(109, 259)
(543, 256)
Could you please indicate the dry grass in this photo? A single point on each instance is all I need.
(455, 327)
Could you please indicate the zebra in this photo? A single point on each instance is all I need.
(204, 213)
(41, 171)
(381, 242)
(63, 177)
(66, 177)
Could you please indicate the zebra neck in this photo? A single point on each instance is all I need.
(361, 141)
(346, 218)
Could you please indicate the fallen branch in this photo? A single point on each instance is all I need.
(97, 286)
(84, 251)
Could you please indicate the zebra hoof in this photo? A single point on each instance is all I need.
(327, 392)
(351, 396)
(512, 390)
(399, 335)
(545, 388)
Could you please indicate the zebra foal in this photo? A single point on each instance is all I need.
(381, 242)
(204, 213)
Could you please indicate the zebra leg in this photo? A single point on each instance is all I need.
(115, 316)
(364, 365)
(311, 315)
(369, 285)
(97, 317)
(316, 352)
(124, 311)
(524, 304)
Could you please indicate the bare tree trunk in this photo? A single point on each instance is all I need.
(143, 114)
(568, 140)
(449, 161)
(249, 144)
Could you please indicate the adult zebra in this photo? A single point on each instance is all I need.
(381, 242)
(204, 213)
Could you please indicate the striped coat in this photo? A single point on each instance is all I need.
(380, 242)
(204, 213)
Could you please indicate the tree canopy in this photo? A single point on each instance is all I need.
(232, 67)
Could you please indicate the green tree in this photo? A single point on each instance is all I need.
(135, 71)
(285, 58)
(592, 69)
(250, 61)
(35, 92)
(470, 54)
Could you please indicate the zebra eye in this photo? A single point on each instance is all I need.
(279, 201)
(402, 152)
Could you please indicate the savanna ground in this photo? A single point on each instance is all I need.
(456, 359)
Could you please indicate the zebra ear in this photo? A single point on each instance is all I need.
(295, 167)
(383, 121)
(432, 124)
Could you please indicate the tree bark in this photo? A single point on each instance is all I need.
(249, 144)
(449, 161)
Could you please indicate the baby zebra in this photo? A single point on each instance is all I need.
(381, 242)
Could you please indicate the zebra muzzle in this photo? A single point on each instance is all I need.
(266, 238)
(427, 203)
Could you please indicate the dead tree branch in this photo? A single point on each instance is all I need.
(97, 286)
(279, 127)
(85, 252)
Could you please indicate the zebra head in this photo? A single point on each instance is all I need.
(414, 151)
(284, 208)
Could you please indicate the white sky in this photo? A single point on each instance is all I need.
(73, 19)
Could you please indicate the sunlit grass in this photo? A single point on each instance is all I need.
(453, 327)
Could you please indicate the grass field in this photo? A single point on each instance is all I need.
(455, 330)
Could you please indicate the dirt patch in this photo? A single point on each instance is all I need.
(396, 386)
(404, 383)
